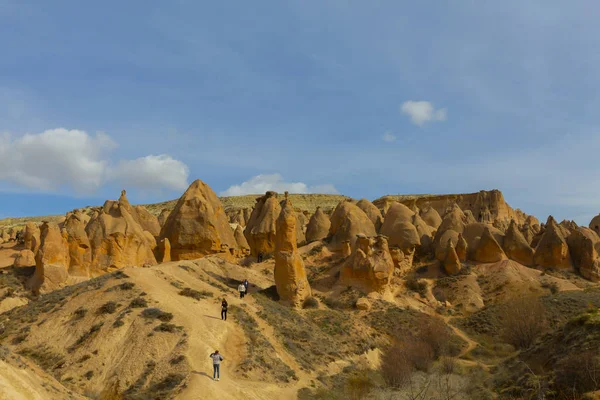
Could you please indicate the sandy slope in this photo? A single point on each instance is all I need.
(201, 319)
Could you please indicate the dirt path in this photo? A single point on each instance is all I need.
(207, 332)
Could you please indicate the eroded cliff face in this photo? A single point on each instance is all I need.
(485, 206)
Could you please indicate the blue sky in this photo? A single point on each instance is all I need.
(364, 98)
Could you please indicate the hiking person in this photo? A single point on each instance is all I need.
(217, 358)
(260, 257)
(246, 285)
(242, 290)
(224, 310)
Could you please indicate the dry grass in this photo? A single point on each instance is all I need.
(523, 322)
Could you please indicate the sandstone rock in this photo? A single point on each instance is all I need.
(488, 250)
(461, 248)
(441, 246)
(25, 258)
(473, 233)
(516, 246)
(552, 250)
(452, 264)
(164, 250)
(431, 217)
(402, 262)
(454, 220)
(117, 240)
(370, 267)
(261, 227)
(197, 226)
(595, 224)
(148, 221)
(363, 304)
(347, 221)
(241, 241)
(162, 218)
(346, 249)
(32, 237)
(372, 212)
(318, 226)
(398, 227)
(51, 260)
(425, 233)
(583, 246)
(80, 252)
(290, 275)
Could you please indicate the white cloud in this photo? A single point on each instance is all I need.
(388, 137)
(263, 183)
(60, 158)
(160, 171)
(421, 112)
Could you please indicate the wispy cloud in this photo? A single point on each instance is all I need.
(388, 137)
(421, 112)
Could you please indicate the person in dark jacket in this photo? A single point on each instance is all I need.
(217, 358)
(260, 257)
(224, 310)
(246, 284)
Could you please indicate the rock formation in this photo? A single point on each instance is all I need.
(431, 217)
(117, 240)
(25, 258)
(318, 226)
(425, 233)
(488, 250)
(372, 212)
(290, 275)
(241, 241)
(370, 267)
(147, 221)
(32, 237)
(164, 251)
(552, 250)
(595, 224)
(51, 260)
(80, 252)
(348, 221)
(583, 245)
(398, 227)
(197, 226)
(461, 248)
(452, 264)
(516, 246)
(261, 227)
(162, 218)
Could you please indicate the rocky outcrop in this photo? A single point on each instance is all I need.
(290, 275)
(583, 245)
(241, 241)
(461, 248)
(474, 231)
(147, 221)
(32, 237)
(516, 246)
(488, 250)
(25, 258)
(425, 233)
(197, 226)
(595, 224)
(80, 252)
(164, 215)
(398, 227)
(370, 267)
(372, 212)
(431, 217)
(117, 240)
(348, 221)
(489, 205)
(318, 226)
(452, 264)
(51, 260)
(164, 251)
(552, 250)
(261, 227)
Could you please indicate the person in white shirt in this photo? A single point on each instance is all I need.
(242, 290)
